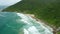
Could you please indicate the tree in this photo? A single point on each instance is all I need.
(47, 10)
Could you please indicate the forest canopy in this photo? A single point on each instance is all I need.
(47, 10)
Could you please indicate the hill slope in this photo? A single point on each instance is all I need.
(48, 10)
(30, 5)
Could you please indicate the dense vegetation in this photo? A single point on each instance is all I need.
(47, 10)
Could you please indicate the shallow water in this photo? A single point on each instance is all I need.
(18, 23)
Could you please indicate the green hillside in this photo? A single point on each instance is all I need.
(31, 5)
(47, 10)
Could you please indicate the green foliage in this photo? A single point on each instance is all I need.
(47, 10)
(58, 32)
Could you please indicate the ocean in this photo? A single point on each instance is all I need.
(2, 7)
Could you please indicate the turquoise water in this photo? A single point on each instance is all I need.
(18, 23)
